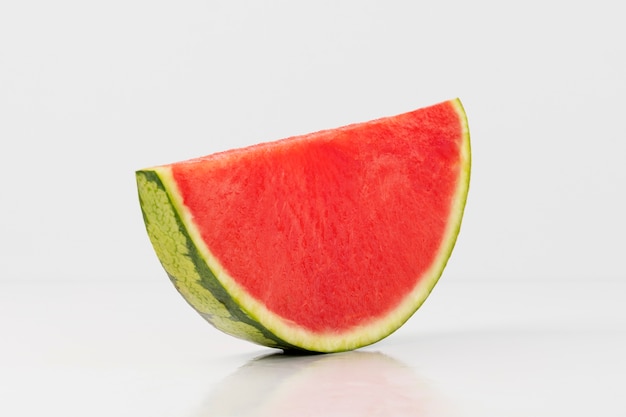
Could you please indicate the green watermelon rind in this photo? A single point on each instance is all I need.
(198, 285)
(208, 288)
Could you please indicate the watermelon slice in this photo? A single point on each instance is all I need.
(324, 242)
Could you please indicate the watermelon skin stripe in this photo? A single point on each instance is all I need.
(209, 289)
(191, 276)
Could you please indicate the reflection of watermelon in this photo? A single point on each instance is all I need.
(323, 242)
(357, 383)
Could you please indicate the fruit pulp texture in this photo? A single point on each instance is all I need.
(303, 224)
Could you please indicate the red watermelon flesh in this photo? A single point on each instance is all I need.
(333, 231)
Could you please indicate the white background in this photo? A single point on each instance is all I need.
(92, 91)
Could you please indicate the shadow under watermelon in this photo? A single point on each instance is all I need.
(353, 383)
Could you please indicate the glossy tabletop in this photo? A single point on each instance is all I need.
(474, 349)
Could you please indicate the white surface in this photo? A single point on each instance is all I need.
(528, 319)
(496, 349)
